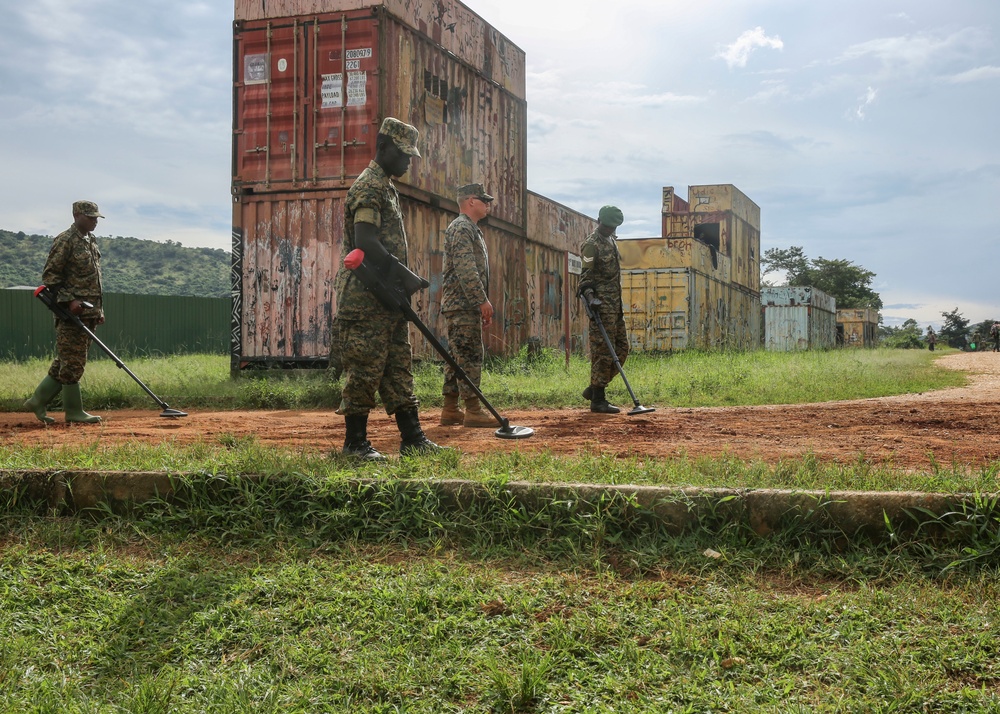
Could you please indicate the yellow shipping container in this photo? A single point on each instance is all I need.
(699, 285)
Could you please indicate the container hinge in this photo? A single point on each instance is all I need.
(257, 150)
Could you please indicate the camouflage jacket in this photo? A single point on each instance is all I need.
(602, 269)
(371, 199)
(73, 270)
(466, 280)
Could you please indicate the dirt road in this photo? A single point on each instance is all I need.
(912, 431)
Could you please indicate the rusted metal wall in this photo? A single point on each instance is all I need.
(798, 318)
(311, 91)
(671, 309)
(448, 23)
(555, 234)
(470, 129)
(857, 327)
(286, 251)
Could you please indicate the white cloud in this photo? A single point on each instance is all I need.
(866, 101)
(738, 53)
(979, 74)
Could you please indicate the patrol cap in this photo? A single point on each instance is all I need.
(611, 216)
(474, 190)
(403, 135)
(87, 208)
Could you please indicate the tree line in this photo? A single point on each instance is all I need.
(129, 265)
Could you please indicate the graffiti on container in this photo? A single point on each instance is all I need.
(681, 245)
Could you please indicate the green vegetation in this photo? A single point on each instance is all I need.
(295, 595)
(130, 265)
(688, 379)
(305, 590)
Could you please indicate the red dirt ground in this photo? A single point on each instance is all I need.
(958, 426)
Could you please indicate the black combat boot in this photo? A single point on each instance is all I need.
(588, 393)
(599, 404)
(414, 441)
(356, 442)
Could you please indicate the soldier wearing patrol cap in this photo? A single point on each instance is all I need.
(466, 306)
(373, 340)
(602, 274)
(73, 273)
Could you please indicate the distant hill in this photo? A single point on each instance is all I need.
(128, 265)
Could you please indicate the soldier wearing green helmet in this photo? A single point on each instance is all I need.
(602, 274)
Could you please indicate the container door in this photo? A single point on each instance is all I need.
(305, 101)
(344, 104)
(655, 303)
(267, 69)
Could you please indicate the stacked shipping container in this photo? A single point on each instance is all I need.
(699, 285)
(312, 82)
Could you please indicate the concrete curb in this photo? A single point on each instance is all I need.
(868, 513)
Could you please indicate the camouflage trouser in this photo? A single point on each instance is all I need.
(602, 365)
(72, 345)
(336, 362)
(376, 358)
(465, 342)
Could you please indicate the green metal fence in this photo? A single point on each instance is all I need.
(134, 325)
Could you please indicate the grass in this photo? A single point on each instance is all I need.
(174, 610)
(688, 379)
(300, 592)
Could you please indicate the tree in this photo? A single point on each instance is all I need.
(907, 336)
(955, 329)
(847, 283)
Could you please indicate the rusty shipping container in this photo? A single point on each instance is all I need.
(857, 327)
(283, 279)
(798, 318)
(313, 81)
(699, 285)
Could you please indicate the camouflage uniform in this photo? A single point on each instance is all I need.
(464, 286)
(374, 340)
(73, 272)
(602, 270)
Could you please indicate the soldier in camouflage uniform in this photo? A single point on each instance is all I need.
(374, 340)
(602, 274)
(465, 305)
(73, 273)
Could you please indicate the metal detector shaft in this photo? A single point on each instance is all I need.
(46, 296)
(596, 317)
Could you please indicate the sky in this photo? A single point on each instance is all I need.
(865, 130)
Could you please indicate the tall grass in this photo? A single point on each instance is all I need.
(687, 379)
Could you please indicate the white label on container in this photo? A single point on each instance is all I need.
(357, 89)
(363, 53)
(333, 91)
(255, 69)
(575, 264)
(282, 64)
(353, 64)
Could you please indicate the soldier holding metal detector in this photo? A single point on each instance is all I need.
(601, 289)
(73, 273)
(374, 336)
(601, 292)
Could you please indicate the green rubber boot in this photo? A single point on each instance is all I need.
(46, 390)
(73, 405)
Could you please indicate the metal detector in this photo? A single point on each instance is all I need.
(46, 296)
(590, 299)
(398, 296)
